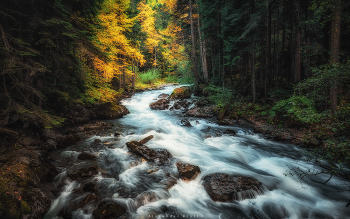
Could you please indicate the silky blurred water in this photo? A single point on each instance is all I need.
(245, 154)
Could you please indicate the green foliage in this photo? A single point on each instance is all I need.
(317, 88)
(222, 97)
(185, 73)
(149, 77)
(299, 108)
(171, 78)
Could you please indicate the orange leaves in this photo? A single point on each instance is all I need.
(111, 39)
(147, 19)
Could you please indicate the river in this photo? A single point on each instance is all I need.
(246, 153)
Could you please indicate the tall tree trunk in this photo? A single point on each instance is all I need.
(194, 56)
(268, 48)
(253, 73)
(203, 53)
(334, 47)
(297, 74)
(283, 38)
(335, 32)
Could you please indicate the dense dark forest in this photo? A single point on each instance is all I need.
(283, 63)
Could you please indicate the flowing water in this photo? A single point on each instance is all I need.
(246, 153)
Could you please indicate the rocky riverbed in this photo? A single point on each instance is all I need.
(166, 155)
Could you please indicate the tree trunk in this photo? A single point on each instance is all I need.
(297, 74)
(268, 48)
(253, 74)
(194, 57)
(334, 47)
(283, 38)
(203, 53)
(335, 32)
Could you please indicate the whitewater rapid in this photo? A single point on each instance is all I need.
(246, 153)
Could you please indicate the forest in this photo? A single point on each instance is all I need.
(281, 63)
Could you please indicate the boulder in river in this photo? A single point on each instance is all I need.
(187, 171)
(180, 93)
(224, 187)
(111, 110)
(90, 187)
(108, 210)
(83, 172)
(163, 96)
(161, 104)
(181, 104)
(202, 112)
(68, 140)
(86, 156)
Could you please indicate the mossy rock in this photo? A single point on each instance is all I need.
(108, 210)
(180, 93)
(111, 110)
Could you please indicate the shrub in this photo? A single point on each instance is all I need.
(299, 108)
(222, 97)
(149, 77)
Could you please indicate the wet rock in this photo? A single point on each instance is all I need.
(224, 188)
(111, 110)
(186, 123)
(68, 140)
(97, 140)
(90, 187)
(86, 156)
(163, 96)
(202, 112)
(187, 171)
(109, 210)
(223, 122)
(230, 132)
(161, 104)
(170, 183)
(117, 134)
(83, 172)
(144, 199)
(180, 93)
(180, 105)
(159, 156)
(147, 139)
(86, 200)
(56, 193)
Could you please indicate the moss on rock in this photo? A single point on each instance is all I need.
(181, 93)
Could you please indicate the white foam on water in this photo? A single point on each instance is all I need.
(62, 200)
(244, 154)
(130, 177)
